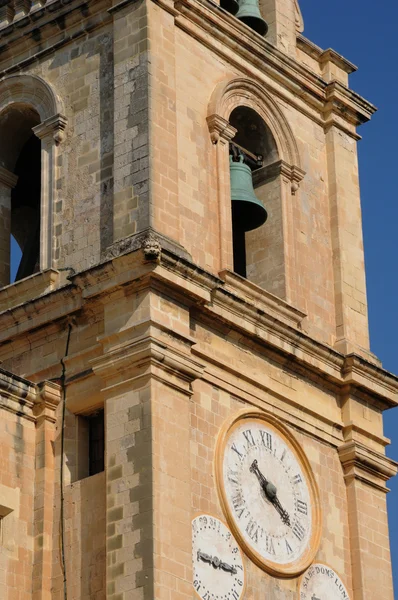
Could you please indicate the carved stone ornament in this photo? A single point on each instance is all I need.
(151, 247)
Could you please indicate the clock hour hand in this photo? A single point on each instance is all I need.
(205, 557)
(270, 492)
(216, 562)
(228, 568)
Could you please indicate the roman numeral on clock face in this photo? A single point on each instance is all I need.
(288, 548)
(249, 437)
(253, 529)
(266, 439)
(298, 531)
(302, 507)
(238, 504)
(297, 478)
(235, 449)
(270, 545)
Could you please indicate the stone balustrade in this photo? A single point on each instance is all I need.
(14, 10)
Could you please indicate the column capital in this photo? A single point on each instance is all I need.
(220, 129)
(364, 464)
(7, 178)
(53, 127)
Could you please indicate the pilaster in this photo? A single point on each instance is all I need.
(347, 245)
(51, 134)
(366, 470)
(49, 396)
(146, 385)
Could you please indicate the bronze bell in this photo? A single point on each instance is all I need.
(232, 6)
(249, 13)
(248, 211)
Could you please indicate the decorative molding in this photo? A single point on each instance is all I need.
(265, 301)
(240, 91)
(294, 174)
(136, 241)
(7, 178)
(144, 357)
(217, 301)
(324, 56)
(299, 21)
(53, 127)
(366, 465)
(342, 101)
(47, 401)
(151, 247)
(32, 90)
(220, 128)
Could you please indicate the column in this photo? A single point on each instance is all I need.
(346, 230)
(7, 182)
(221, 133)
(147, 385)
(51, 134)
(366, 471)
(44, 410)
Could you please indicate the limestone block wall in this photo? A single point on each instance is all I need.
(17, 491)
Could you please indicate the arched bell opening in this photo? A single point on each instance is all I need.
(253, 150)
(20, 161)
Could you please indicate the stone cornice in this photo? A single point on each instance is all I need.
(291, 172)
(53, 127)
(18, 36)
(220, 128)
(323, 56)
(217, 29)
(47, 399)
(232, 40)
(143, 357)
(343, 102)
(230, 305)
(361, 463)
(17, 395)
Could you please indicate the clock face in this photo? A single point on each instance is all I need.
(218, 572)
(268, 493)
(321, 582)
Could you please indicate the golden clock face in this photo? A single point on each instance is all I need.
(268, 493)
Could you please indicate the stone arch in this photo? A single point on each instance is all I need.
(28, 105)
(231, 93)
(32, 90)
(275, 182)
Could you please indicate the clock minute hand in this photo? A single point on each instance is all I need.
(282, 512)
(271, 492)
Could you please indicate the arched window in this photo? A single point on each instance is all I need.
(242, 114)
(31, 127)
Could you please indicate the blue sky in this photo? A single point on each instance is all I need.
(368, 38)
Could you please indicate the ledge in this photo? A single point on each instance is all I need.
(263, 300)
(235, 304)
(323, 56)
(359, 462)
(29, 288)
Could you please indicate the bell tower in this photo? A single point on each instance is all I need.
(190, 407)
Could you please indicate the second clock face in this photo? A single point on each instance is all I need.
(268, 493)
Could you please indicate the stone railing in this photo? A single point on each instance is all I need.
(12, 11)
